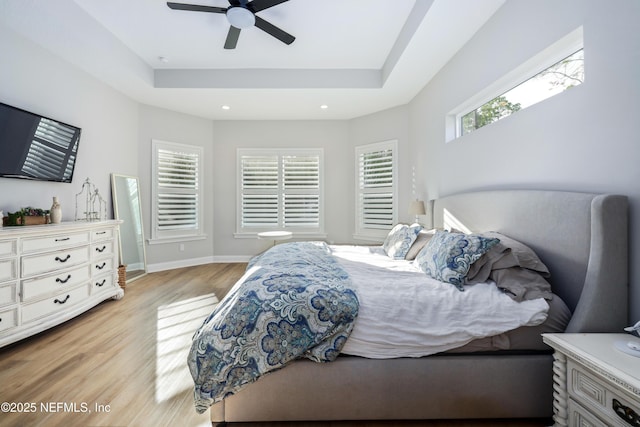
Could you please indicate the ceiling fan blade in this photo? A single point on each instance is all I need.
(258, 5)
(276, 32)
(196, 8)
(232, 37)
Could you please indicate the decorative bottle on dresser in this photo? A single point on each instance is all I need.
(56, 212)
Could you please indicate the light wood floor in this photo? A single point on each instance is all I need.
(123, 362)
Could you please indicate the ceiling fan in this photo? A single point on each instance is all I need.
(241, 14)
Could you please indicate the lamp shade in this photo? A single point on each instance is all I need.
(416, 207)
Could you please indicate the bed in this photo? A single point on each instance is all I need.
(581, 238)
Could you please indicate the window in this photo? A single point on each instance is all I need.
(177, 191)
(280, 189)
(554, 70)
(376, 192)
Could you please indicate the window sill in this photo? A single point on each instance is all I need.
(176, 239)
(303, 235)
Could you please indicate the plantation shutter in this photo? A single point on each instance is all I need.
(259, 191)
(301, 198)
(376, 187)
(280, 189)
(177, 182)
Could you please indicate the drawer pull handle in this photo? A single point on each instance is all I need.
(101, 249)
(101, 232)
(63, 260)
(100, 267)
(627, 414)
(63, 239)
(57, 301)
(59, 280)
(101, 284)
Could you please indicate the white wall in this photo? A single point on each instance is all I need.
(165, 125)
(392, 124)
(585, 139)
(35, 80)
(332, 136)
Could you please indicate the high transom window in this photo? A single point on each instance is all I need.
(559, 77)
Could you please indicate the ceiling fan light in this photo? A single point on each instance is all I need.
(240, 17)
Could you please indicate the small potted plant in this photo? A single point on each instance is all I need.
(27, 216)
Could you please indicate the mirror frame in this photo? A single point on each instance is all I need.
(136, 274)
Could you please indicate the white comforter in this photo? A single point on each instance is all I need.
(404, 313)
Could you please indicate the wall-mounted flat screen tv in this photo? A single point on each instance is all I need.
(36, 147)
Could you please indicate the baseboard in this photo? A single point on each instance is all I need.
(152, 268)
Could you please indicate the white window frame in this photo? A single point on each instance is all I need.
(280, 153)
(363, 232)
(548, 57)
(159, 235)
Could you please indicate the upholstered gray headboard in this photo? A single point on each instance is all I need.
(581, 237)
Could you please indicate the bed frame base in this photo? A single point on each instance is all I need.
(495, 386)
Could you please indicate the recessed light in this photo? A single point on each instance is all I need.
(226, 107)
(324, 106)
(163, 59)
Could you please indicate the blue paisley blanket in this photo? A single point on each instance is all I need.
(294, 301)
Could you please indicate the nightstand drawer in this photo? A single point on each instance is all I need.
(580, 417)
(600, 396)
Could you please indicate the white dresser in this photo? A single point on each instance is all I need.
(51, 273)
(595, 383)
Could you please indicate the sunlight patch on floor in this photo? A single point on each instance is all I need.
(176, 323)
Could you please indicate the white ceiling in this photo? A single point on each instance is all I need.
(355, 56)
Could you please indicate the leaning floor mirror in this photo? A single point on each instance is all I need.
(125, 191)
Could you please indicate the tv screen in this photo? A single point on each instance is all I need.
(36, 147)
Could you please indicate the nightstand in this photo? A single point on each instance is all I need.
(595, 383)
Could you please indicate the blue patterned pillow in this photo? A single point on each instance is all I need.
(400, 239)
(448, 256)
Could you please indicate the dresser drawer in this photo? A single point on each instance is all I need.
(58, 241)
(101, 234)
(101, 283)
(600, 396)
(8, 247)
(102, 266)
(52, 283)
(44, 263)
(51, 305)
(8, 269)
(8, 294)
(8, 318)
(101, 249)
